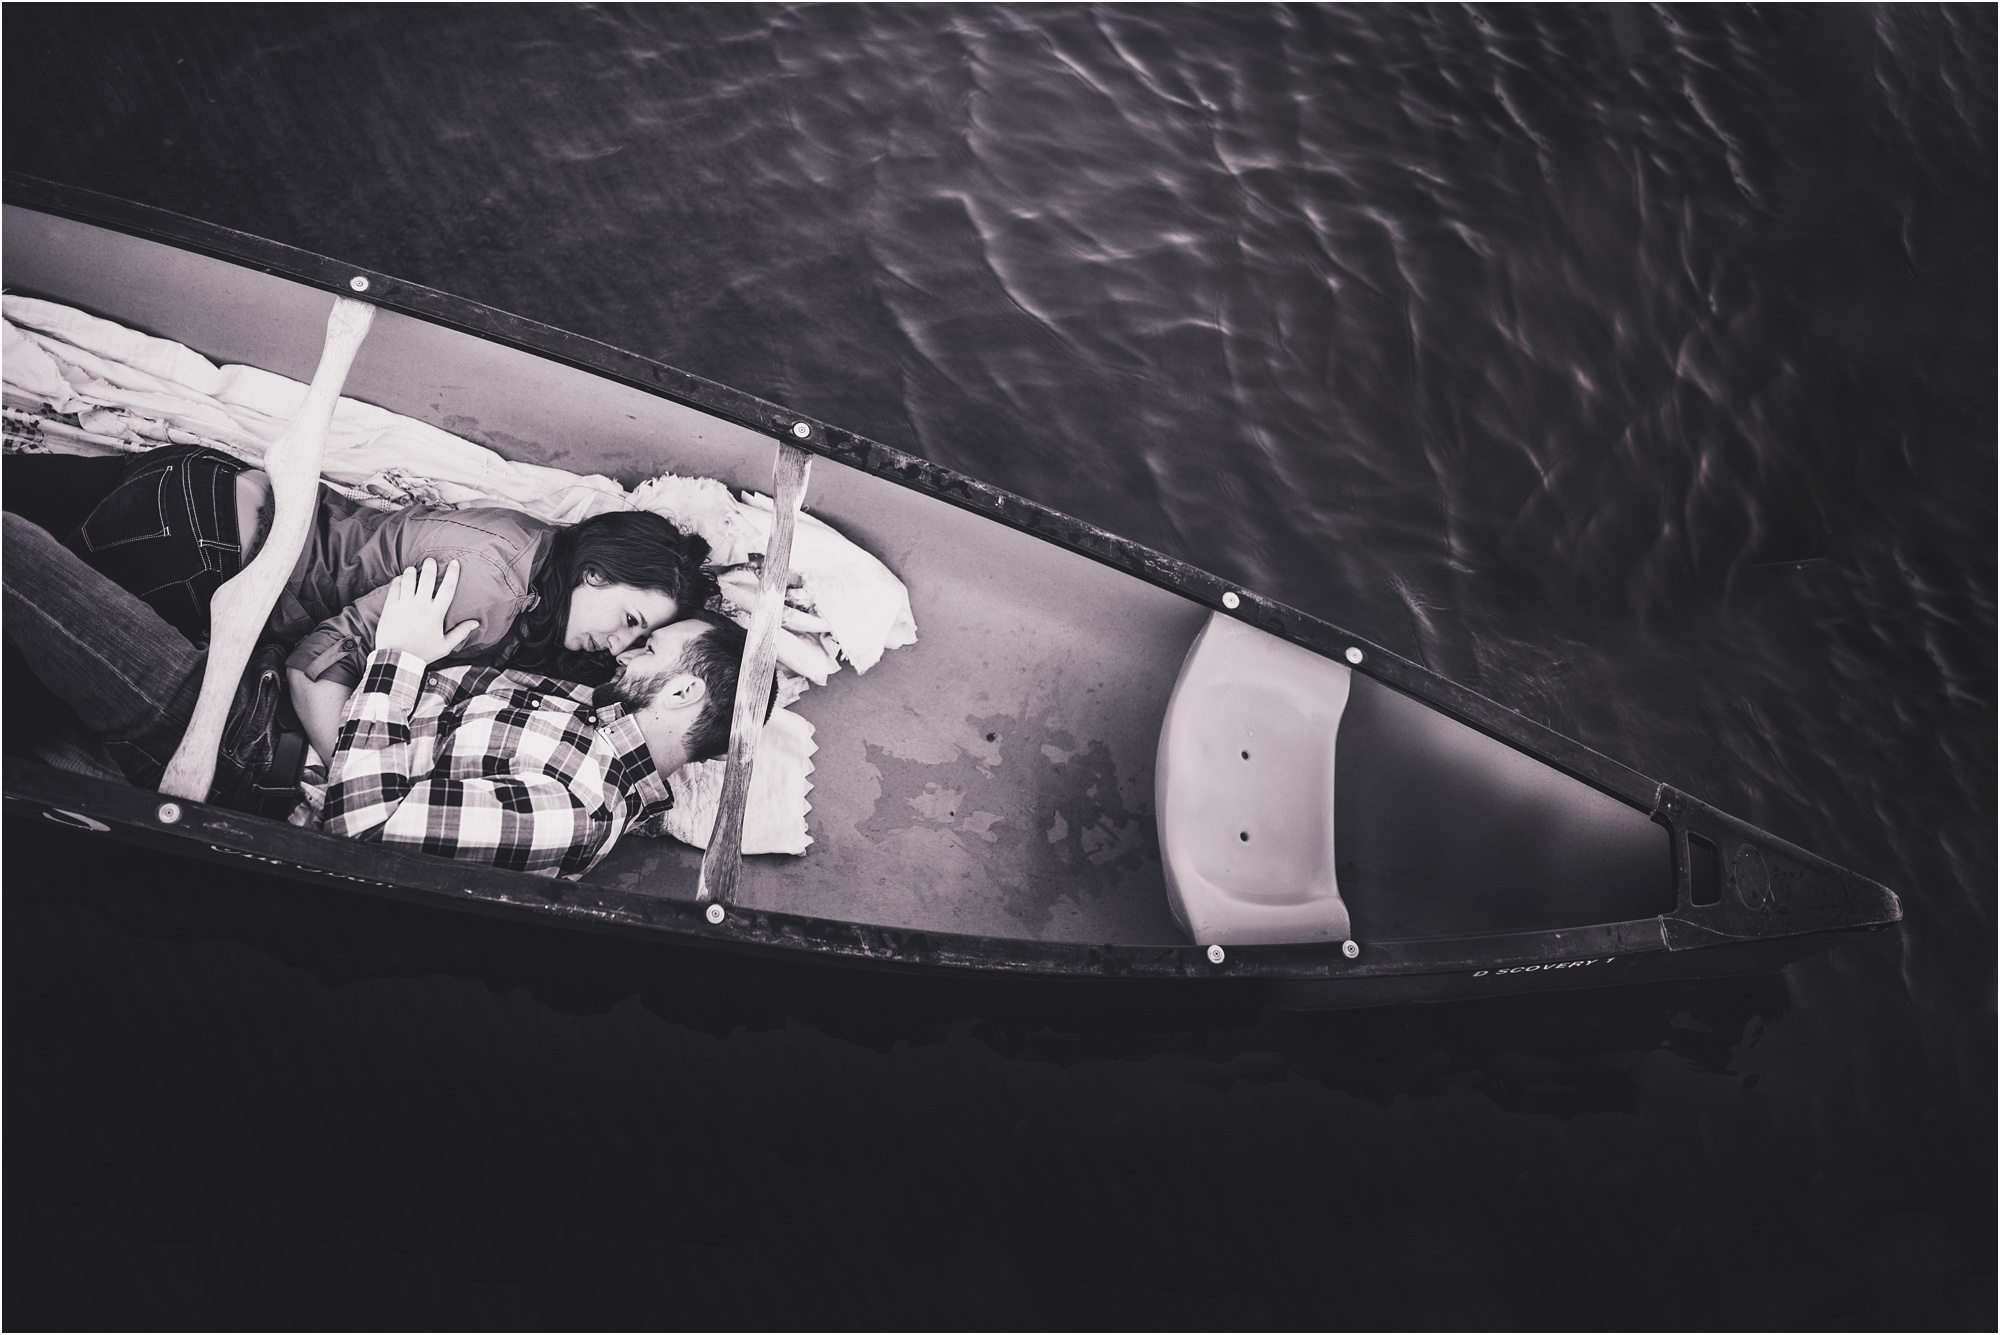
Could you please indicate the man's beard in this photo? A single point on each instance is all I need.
(630, 692)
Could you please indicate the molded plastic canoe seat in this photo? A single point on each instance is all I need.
(1244, 790)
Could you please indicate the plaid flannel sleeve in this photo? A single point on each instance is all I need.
(523, 822)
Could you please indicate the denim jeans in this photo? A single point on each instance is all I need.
(131, 678)
(167, 532)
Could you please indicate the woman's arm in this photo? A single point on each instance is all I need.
(319, 705)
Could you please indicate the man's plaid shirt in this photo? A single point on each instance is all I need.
(485, 765)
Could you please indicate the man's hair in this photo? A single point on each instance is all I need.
(716, 658)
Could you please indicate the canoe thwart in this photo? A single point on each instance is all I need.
(722, 863)
(240, 607)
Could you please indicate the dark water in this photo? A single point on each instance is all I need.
(1635, 367)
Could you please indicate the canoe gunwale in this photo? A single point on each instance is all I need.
(216, 834)
(1855, 904)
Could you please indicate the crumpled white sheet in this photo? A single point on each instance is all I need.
(150, 391)
(135, 392)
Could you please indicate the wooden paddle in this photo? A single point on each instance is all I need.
(240, 607)
(723, 862)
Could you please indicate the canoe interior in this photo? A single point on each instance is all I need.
(1443, 831)
(995, 779)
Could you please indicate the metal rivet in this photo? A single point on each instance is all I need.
(802, 429)
(1215, 954)
(170, 813)
(1351, 949)
(1353, 654)
(358, 283)
(715, 913)
(1231, 600)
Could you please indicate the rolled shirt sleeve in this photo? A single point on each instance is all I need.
(374, 763)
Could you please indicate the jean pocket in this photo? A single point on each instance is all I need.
(135, 511)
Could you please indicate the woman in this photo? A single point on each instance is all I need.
(178, 521)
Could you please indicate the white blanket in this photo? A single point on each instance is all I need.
(129, 391)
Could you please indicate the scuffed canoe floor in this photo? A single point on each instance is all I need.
(996, 778)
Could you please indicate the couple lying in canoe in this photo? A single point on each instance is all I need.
(483, 685)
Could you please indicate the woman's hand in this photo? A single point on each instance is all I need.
(413, 617)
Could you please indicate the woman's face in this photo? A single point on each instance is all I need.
(611, 618)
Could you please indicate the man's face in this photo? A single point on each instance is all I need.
(661, 651)
(645, 665)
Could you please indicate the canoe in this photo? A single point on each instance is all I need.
(1096, 762)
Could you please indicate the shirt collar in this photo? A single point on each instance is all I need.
(635, 773)
(638, 779)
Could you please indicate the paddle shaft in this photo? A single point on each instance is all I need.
(722, 864)
(239, 608)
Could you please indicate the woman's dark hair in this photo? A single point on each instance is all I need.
(624, 547)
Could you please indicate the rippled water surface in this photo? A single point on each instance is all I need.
(1632, 366)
